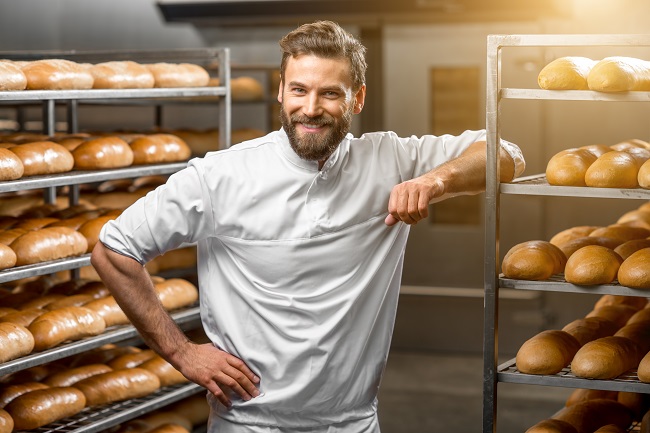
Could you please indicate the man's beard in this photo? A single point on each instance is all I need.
(314, 147)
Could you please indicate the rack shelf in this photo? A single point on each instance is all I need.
(537, 185)
(110, 94)
(573, 95)
(186, 318)
(44, 268)
(557, 283)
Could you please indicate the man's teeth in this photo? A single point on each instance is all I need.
(307, 125)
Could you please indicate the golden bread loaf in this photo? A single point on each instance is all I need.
(597, 149)
(581, 394)
(552, 426)
(626, 249)
(246, 89)
(166, 372)
(7, 257)
(570, 247)
(643, 177)
(590, 415)
(533, 260)
(164, 417)
(546, 353)
(91, 229)
(637, 302)
(73, 375)
(590, 328)
(44, 406)
(615, 169)
(566, 73)
(619, 74)
(69, 323)
(6, 422)
(108, 309)
(176, 293)
(634, 215)
(622, 232)
(15, 341)
(102, 153)
(195, 408)
(118, 385)
(43, 157)
(610, 428)
(22, 317)
(606, 358)
(178, 75)
(635, 270)
(124, 74)
(130, 360)
(571, 233)
(617, 313)
(49, 243)
(169, 428)
(158, 148)
(56, 74)
(643, 371)
(569, 167)
(11, 166)
(592, 265)
(11, 76)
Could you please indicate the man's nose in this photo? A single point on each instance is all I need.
(312, 107)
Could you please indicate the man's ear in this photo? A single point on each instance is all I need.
(280, 92)
(359, 99)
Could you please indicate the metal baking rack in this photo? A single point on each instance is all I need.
(537, 185)
(92, 420)
(187, 319)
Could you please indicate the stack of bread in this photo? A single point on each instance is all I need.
(622, 165)
(41, 395)
(589, 255)
(611, 74)
(61, 74)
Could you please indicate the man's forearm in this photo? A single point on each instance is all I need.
(132, 288)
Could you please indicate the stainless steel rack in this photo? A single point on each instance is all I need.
(537, 185)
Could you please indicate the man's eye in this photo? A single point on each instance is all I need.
(298, 90)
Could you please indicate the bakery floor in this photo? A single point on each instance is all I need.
(428, 392)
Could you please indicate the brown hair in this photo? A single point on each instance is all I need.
(328, 40)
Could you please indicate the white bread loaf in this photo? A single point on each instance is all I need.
(166, 372)
(44, 406)
(121, 75)
(621, 231)
(11, 166)
(620, 74)
(178, 75)
(109, 310)
(118, 385)
(569, 167)
(570, 247)
(131, 360)
(57, 74)
(43, 157)
(626, 249)
(566, 73)
(69, 323)
(15, 341)
(49, 243)
(11, 76)
(102, 153)
(616, 169)
(11, 391)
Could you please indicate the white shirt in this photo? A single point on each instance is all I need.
(298, 274)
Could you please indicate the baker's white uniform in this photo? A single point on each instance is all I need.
(298, 274)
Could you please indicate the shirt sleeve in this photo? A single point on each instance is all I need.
(173, 214)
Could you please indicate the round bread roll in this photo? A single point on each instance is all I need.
(619, 74)
(90, 230)
(6, 422)
(246, 89)
(615, 169)
(121, 75)
(158, 148)
(626, 249)
(44, 406)
(56, 74)
(574, 245)
(533, 260)
(635, 270)
(11, 167)
(7, 257)
(49, 243)
(621, 231)
(15, 340)
(571, 233)
(102, 153)
(178, 75)
(566, 73)
(546, 353)
(43, 157)
(569, 167)
(69, 323)
(11, 76)
(552, 426)
(592, 265)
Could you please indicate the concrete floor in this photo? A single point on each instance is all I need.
(442, 393)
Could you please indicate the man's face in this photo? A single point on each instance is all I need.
(317, 104)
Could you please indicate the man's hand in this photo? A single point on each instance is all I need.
(215, 370)
(409, 201)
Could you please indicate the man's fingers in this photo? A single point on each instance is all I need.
(240, 365)
(213, 387)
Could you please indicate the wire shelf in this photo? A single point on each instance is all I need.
(557, 283)
(538, 185)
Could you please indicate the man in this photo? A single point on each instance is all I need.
(301, 236)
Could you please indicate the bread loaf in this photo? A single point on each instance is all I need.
(42, 301)
(121, 75)
(15, 341)
(73, 375)
(177, 259)
(592, 265)
(580, 395)
(22, 317)
(610, 428)
(159, 148)
(621, 231)
(44, 406)
(591, 415)
(597, 149)
(176, 293)
(195, 408)
(10, 392)
(109, 310)
(643, 370)
(11, 76)
(590, 328)
(118, 385)
(619, 74)
(166, 372)
(626, 249)
(246, 89)
(169, 428)
(637, 403)
(178, 75)
(571, 233)
(552, 426)
(637, 302)
(56, 74)
(533, 260)
(606, 358)
(164, 417)
(11, 167)
(70, 323)
(35, 223)
(43, 157)
(616, 169)
(570, 247)
(70, 301)
(619, 314)
(634, 215)
(7, 257)
(638, 332)
(49, 243)
(90, 230)
(130, 360)
(569, 167)
(103, 153)
(102, 355)
(546, 353)
(566, 73)
(6, 422)
(635, 270)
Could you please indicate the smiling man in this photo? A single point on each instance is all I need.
(301, 237)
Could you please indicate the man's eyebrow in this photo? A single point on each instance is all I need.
(333, 87)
